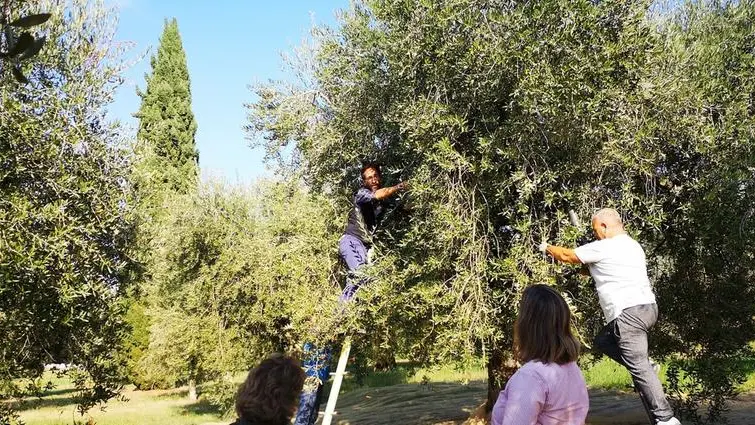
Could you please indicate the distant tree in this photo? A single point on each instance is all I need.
(169, 161)
(237, 274)
(166, 164)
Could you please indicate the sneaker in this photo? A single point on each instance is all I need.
(672, 421)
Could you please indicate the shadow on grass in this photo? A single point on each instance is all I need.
(33, 404)
(51, 398)
(201, 407)
(413, 403)
(398, 375)
(58, 392)
(170, 394)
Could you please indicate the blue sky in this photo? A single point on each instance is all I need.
(229, 45)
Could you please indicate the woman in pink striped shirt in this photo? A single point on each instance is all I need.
(549, 388)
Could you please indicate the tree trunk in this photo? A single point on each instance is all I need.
(383, 350)
(192, 390)
(500, 368)
(384, 357)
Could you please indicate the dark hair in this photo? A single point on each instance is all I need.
(270, 393)
(367, 165)
(543, 329)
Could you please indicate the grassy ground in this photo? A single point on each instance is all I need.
(172, 407)
(604, 374)
(140, 408)
(407, 374)
(749, 384)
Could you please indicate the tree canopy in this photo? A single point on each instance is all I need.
(504, 115)
(168, 153)
(66, 225)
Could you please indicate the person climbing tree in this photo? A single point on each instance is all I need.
(354, 247)
(617, 265)
(357, 240)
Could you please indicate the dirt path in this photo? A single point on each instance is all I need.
(447, 404)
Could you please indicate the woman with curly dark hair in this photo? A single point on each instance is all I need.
(270, 393)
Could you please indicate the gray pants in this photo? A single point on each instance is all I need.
(625, 339)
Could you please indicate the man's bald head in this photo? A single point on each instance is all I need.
(606, 223)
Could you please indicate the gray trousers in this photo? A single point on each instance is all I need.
(625, 339)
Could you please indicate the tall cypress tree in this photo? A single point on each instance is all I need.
(167, 164)
(166, 122)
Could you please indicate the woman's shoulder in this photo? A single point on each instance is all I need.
(548, 372)
(539, 365)
(532, 369)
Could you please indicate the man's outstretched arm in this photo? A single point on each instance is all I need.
(387, 192)
(561, 254)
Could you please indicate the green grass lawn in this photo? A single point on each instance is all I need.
(749, 384)
(173, 407)
(405, 373)
(140, 408)
(606, 374)
(603, 374)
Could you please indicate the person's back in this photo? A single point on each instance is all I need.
(558, 394)
(549, 388)
(618, 266)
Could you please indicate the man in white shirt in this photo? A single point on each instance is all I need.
(617, 265)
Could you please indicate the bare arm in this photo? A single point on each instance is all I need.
(387, 192)
(563, 255)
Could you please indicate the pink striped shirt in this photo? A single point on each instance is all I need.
(543, 394)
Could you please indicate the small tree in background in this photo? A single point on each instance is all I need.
(238, 273)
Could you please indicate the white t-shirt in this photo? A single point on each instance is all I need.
(618, 267)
